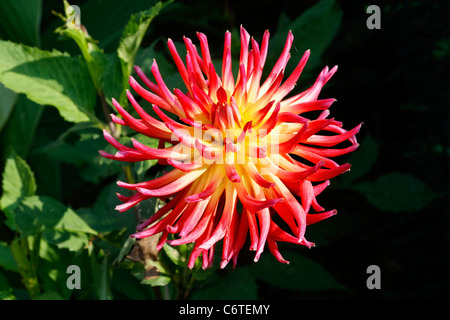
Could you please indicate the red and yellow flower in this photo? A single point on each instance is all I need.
(243, 154)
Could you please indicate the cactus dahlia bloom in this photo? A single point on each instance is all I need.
(245, 160)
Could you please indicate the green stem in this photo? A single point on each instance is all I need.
(184, 289)
(27, 266)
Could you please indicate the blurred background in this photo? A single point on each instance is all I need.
(392, 205)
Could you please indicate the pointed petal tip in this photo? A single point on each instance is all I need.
(223, 264)
(105, 131)
(106, 154)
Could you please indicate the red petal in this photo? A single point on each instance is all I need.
(312, 218)
(214, 182)
(255, 175)
(252, 204)
(225, 220)
(330, 141)
(184, 166)
(308, 106)
(264, 226)
(174, 186)
(326, 174)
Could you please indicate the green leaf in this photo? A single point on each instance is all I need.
(84, 148)
(114, 16)
(300, 274)
(18, 182)
(103, 217)
(131, 39)
(20, 21)
(125, 250)
(102, 274)
(6, 257)
(7, 103)
(94, 57)
(72, 241)
(111, 81)
(49, 78)
(396, 192)
(161, 280)
(72, 222)
(34, 214)
(20, 129)
(175, 255)
(133, 34)
(314, 29)
(37, 214)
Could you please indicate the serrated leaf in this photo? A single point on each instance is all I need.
(34, 214)
(49, 78)
(133, 34)
(17, 182)
(37, 214)
(115, 15)
(396, 192)
(131, 40)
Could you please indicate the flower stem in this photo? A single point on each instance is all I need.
(185, 286)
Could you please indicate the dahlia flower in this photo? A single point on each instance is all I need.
(245, 159)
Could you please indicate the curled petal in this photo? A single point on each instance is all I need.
(252, 204)
(174, 186)
(316, 217)
(214, 182)
(224, 223)
(330, 141)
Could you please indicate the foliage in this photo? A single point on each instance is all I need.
(58, 194)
